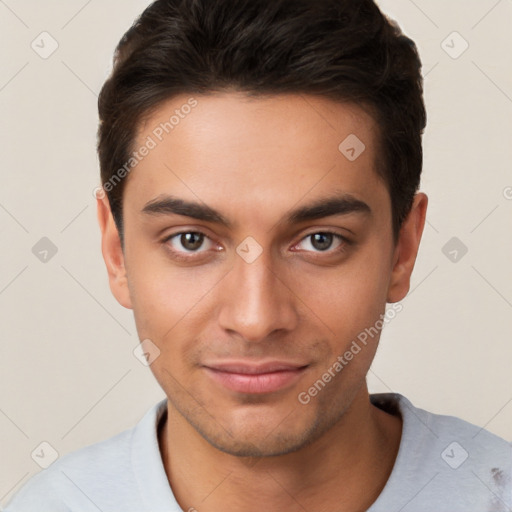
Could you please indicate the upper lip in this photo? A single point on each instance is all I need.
(252, 368)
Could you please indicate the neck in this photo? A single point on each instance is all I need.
(348, 467)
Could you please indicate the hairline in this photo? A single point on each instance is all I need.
(366, 106)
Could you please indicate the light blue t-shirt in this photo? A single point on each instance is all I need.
(444, 464)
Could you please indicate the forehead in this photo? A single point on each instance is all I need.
(255, 150)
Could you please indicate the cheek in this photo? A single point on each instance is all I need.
(167, 310)
(351, 297)
(160, 301)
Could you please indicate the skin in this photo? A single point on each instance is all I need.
(255, 160)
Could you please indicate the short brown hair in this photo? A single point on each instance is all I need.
(344, 50)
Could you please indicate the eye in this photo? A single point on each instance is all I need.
(323, 241)
(188, 242)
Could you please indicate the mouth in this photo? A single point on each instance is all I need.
(266, 377)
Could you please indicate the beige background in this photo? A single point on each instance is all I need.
(68, 374)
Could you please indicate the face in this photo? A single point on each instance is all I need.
(255, 253)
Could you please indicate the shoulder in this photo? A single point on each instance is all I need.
(428, 425)
(101, 475)
(73, 476)
(452, 461)
(484, 445)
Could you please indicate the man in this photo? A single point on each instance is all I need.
(261, 161)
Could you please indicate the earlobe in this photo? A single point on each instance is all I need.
(113, 254)
(406, 249)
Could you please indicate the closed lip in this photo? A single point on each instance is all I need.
(255, 376)
(254, 368)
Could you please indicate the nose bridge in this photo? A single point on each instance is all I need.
(256, 301)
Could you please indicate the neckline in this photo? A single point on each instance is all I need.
(160, 491)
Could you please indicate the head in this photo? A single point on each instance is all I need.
(261, 161)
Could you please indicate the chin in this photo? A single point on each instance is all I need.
(257, 448)
(263, 441)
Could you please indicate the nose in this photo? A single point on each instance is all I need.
(256, 300)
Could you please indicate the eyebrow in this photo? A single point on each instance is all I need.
(342, 204)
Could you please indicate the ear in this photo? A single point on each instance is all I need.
(406, 249)
(112, 252)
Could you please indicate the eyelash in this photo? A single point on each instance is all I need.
(190, 255)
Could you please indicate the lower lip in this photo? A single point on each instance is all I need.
(261, 383)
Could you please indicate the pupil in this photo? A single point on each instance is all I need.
(191, 241)
(322, 241)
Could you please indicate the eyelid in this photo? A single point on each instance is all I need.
(191, 255)
(185, 232)
(342, 239)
